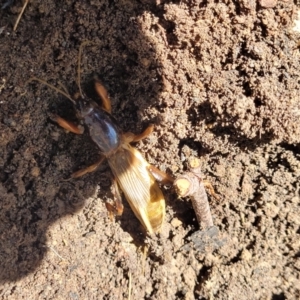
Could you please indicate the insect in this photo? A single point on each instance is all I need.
(133, 174)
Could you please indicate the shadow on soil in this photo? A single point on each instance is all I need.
(37, 154)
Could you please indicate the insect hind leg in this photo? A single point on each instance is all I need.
(161, 176)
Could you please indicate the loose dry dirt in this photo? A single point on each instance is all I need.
(220, 81)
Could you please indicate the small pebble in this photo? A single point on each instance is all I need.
(35, 171)
(268, 3)
(176, 222)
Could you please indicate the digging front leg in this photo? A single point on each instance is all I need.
(103, 94)
(67, 125)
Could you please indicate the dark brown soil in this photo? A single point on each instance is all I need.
(220, 81)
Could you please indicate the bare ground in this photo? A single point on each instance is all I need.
(220, 81)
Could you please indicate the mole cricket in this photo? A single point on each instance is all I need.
(133, 174)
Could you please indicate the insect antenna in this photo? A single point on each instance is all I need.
(79, 65)
(65, 91)
(64, 88)
(66, 94)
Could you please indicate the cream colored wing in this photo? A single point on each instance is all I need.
(139, 186)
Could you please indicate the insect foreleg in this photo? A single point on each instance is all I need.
(67, 125)
(102, 93)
